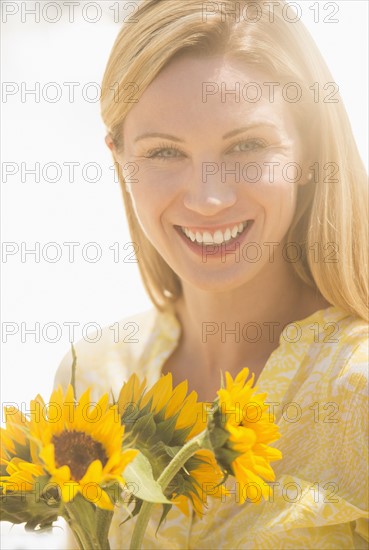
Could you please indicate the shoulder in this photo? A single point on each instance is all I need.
(331, 362)
(344, 383)
(329, 439)
(331, 347)
(109, 355)
(348, 397)
(349, 371)
(337, 344)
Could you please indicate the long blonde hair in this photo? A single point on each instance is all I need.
(332, 210)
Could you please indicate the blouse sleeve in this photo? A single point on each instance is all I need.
(353, 452)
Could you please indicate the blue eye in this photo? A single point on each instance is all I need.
(168, 152)
(248, 145)
(164, 152)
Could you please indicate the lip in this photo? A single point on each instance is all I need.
(215, 251)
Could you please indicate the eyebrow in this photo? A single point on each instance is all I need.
(158, 134)
(226, 136)
(250, 127)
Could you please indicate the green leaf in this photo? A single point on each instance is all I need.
(147, 408)
(39, 526)
(166, 509)
(156, 455)
(139, 473)
(132, 412)
(145, 427)
(27, 507)
(134, 512)
(226, 456)
(103, 521)
(218, 437)
(22, 451)
(195, 462)
(82, 519)
(179, 436)
(172, 451)
(165, 429)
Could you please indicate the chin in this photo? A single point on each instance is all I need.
(218, 281)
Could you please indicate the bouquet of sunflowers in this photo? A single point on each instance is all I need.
(79, 460)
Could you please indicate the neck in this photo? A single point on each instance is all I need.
(225, 328)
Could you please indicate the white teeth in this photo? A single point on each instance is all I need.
(218, 237)
(207, 238)
(227, 234)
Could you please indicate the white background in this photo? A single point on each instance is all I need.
(84, 212)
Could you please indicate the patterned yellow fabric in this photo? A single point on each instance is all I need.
(316, 381)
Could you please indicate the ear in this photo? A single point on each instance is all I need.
(109, 142)
(307, 174)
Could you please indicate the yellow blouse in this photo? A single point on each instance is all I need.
(317, 385)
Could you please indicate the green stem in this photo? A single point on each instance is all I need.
(70, 522)
(82, 536)
(189, 449)
(89, 529)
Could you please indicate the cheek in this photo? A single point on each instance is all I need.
(270, 180)
(270, 185)
(149, 203)
(152, 189)
(272, 170)
(150, 180)
(278, 203)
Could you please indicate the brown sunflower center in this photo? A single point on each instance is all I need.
(77, 450)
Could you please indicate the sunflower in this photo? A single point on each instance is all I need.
(243, 428)
(17, 468)
(204, 477)
(23, 479)
(80, 445)
(13, 438)
(164, 403)
(21, 475)
(159, 422)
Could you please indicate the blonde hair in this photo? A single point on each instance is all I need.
(328, 211)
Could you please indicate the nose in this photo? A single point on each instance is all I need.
(208, 192)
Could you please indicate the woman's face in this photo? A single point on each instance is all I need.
(208, 159)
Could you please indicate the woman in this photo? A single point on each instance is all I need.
(247, 200)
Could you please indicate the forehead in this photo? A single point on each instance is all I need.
(217, 89)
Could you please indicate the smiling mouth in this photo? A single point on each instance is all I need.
(216, 237)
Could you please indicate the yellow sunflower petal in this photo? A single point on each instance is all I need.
(177, 398)
(102, 403)
(250, 485)
(81, 417)
(62, 474)
(183, 504)
(127, 457)
(160, 393)
(69, 490)
(130, 394)
(47, 455)
(93, 473)
(16, 425)
(102, 501)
